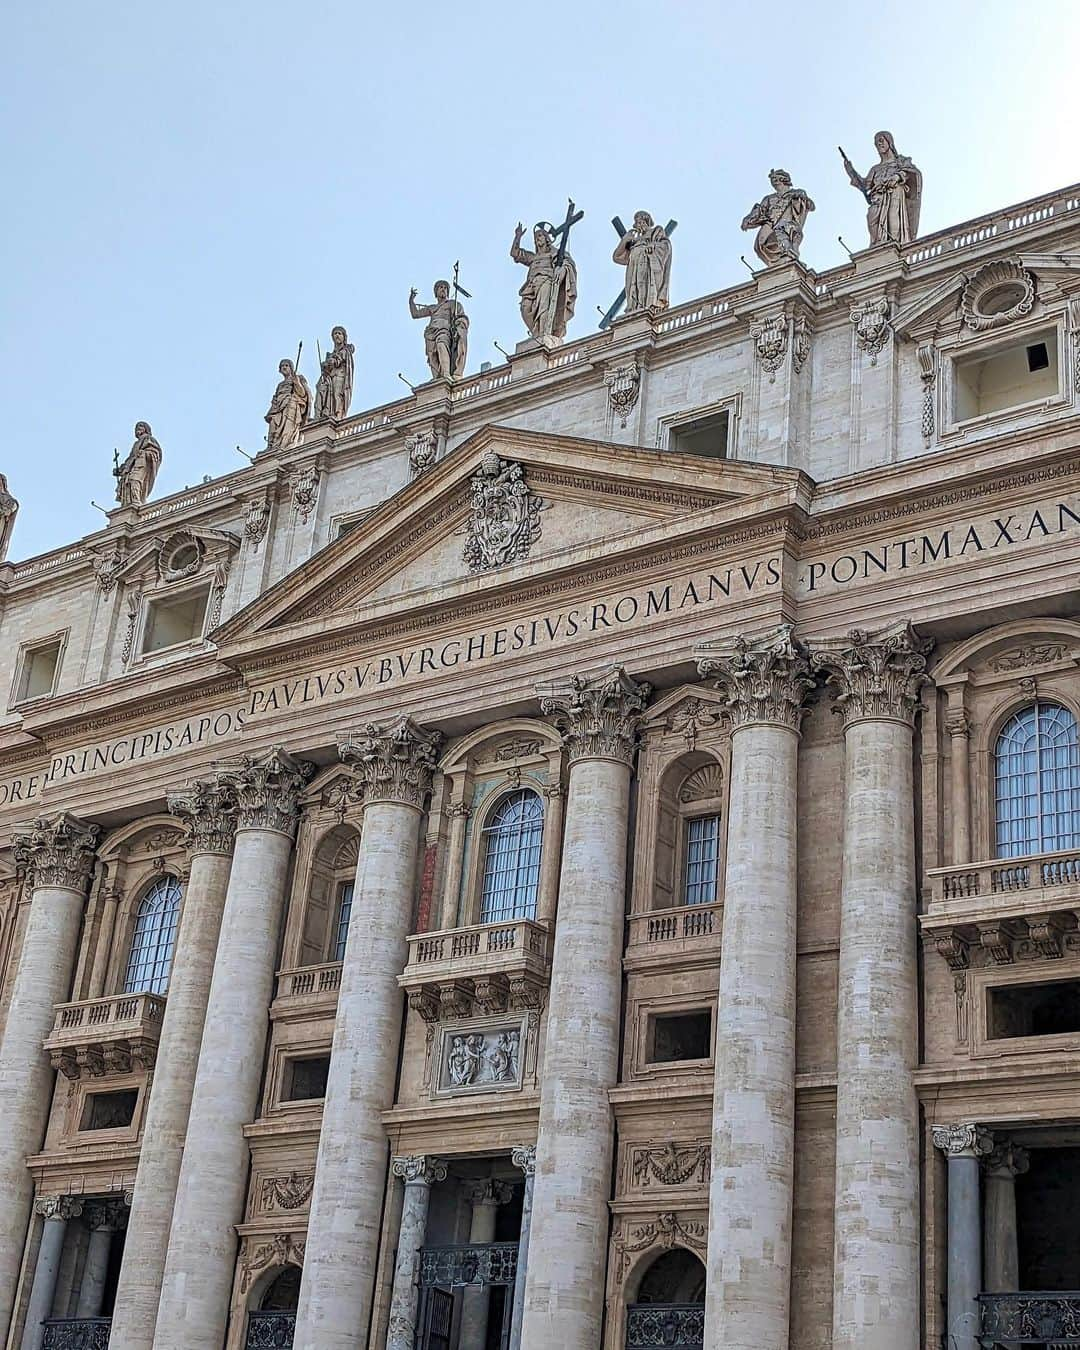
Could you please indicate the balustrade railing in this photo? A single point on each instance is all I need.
(1005, 876)
(1033, 1317)
(121, 1011)
(270, 1330)
(680, 1326)
(480, 942)
(475, 1264)
(693, 923)
(77, 1333)
(304, 980)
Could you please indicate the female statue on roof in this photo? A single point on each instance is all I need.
(893, 192)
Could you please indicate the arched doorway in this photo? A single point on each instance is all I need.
(670, 1306)
(272, 1323)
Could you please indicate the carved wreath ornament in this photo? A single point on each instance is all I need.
(505, 515)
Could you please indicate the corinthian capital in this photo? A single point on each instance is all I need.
(763, 680)
(59, 1207)
(57, 851)
(962, 1140)
(524, 1156)
(419, 1169)
(876, 676)
(393, 761)
(267, 789)
(208, 809)
(598, 715)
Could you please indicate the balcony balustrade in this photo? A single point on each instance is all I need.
(106, 1035)
(77, 1333)
(691, 931)
(677, 1325)
(483, 968)
(473, 1264)
(270, 1330)
(1032, 1317)
(307, 990)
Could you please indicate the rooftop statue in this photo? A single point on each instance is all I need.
(645, 251)
(893, 192)
(288, 409)
(446, 337)
(135, 478)
(779, 219)
(9, 509)
(333, 388)
(549, 293)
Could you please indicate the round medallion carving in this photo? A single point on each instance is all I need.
(996, 295)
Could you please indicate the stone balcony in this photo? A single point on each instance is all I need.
(1009, 907)
(106, 1035)
(482, 969)
(686, 933)
(307, 991)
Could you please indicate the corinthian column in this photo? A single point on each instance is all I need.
(564, 1284)
(1001, 1257)
(419, 1174)
(749, 1255)
(876, 681)
(212, 1183)
(57, 1211)
(393, 763)
(208, 808)
(57, 853)
(963, 1146)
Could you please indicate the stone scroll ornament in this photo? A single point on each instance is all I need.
(504, 520)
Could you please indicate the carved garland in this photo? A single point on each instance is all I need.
(284, 1249)
(666, 1231)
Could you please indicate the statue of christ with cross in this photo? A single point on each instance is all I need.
(549, 293)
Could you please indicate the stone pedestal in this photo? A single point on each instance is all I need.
(56, 1210)
(1001, 1270)
(749, 1248)
(485, 1198)
(209, 810)
(963, 1146)
(525, 1158)
(210, 1191)
(418, 1174)
(564, 1284)
(876, 1237)
(394, 765)
(58, 854)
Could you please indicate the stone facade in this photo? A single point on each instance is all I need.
(551, 965)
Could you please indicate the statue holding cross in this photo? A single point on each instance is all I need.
(645, 251)
(446, 337)
(549, 293)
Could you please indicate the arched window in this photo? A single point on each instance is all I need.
(155, 933)
(1037, 782)
(512, 840)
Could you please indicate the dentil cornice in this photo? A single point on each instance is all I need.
(266, 788)
(876, 677)
(208, 808)
(57, 851)
(393, 761)
(763, 681)
(598, 716)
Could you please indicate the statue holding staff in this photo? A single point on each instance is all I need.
(333, 388)
(135, 478)
(446, 337)
(9, 509)
(549, 293)
(288, 409)
(893, 192)
(779, 219)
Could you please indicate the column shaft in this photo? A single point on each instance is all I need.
(92, 1288)
(749, 1253)
(212, 1183)
(476, 1302)
(1002, 1256)
(564, 1288)
(876, 1265)
(162, 1146)
(965, 1253)
(526, 1158)
(43, 1290)
(418, 1173)
(957, 727)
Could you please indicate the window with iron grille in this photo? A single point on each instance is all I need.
(155, 933)
(511, 843)
(341, 924)
(1037, 782)
(702, 863)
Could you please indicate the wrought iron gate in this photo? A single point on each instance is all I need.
(678, 1326)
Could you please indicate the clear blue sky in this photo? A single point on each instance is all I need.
(193, 188)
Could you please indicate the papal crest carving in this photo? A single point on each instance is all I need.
(505, 519)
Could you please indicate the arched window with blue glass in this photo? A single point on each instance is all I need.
(152, 944)
(512, 838)
(1037, 782)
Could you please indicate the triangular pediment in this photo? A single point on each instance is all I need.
(505, 504)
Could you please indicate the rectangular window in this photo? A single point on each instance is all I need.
(702, 868)
(1007, 377)
(1051, 1009)
(109, 1110)
(341, 925)
(708, 436)
(305, 1079)
(38, 670)
(172, 621)
(679, 1036)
